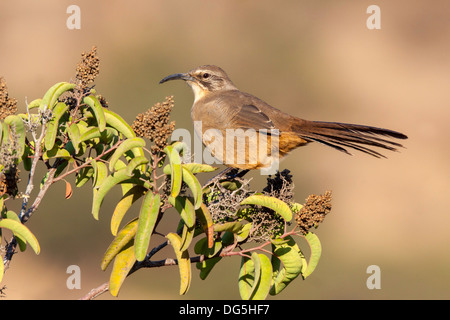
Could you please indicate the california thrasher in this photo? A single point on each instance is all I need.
(220, 106)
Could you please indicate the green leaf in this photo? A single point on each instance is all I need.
(56, 152)
(122, 265)
(125, 146)
(263, 277)
(234, 226)
(204, 217)
(316, 251)
(21, 230)
(123, 238)
(97, 109)
(52, 94)
(111, 181)
(83, 176)
(20, 240)
(206, 266)
(185, 208)
(246, 278)
(53, 125)
(134, 163)
(34, 104)
(195, 187)
(16, 122)
(147, 219)
(74, 135)
(186, 237)
(130, 196)
(198, 167)
(90, 133)
(273, 203)
(286, 264)
(115, 121)
(184, 263)
(175, 170)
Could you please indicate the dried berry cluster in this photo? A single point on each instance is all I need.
(154, 124)
(8, 106)
(281, 186)
(9, 175)
(314, 211)
(87, 69)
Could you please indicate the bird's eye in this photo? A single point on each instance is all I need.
(206, 75)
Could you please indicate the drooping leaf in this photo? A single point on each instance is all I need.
(74, 135)
(83, 176)
(134, 163)
(123, 238)
(316, 251)
(204, 217)
(125, 146)
(195, 187)
(286, 265)
(69, 190)
(107, 184)
(246, 278)
(184, 263)
(53, 125)
(51, 96)
(23, 231)
(130, 196)
(185, 208)
(20, 240)
(97, 109)
(147, 219)
(206, 266)
(262, 288)
(122, 265)
(176, 171)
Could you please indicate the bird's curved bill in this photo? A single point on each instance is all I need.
(177, 76)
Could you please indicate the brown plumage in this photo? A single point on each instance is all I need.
(219, 106)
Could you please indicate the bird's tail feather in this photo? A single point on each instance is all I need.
(341, 136)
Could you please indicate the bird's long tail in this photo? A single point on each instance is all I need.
(341, 136)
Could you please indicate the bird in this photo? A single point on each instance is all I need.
(220, 108)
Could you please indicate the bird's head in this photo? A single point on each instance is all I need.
(204, 80)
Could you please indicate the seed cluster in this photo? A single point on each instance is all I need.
(314, 211)
(154, 124)
(8, 106)
(87, 69)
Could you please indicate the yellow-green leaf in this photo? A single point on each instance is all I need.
(130, 196)
(23, 231)
(286, 264)
(97, 109)
(147, 219)
(52, 94)
(273, 203)
(175, 170)
(123, 238)
(53, 125)
(125, 146)
(316, 251)
(112, 180)
(195, 187)
(184, 263)
(134, 163)
(122, 265)
(185, 208)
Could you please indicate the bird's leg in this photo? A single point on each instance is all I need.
(229, 173)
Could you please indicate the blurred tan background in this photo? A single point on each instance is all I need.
(314, 59)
